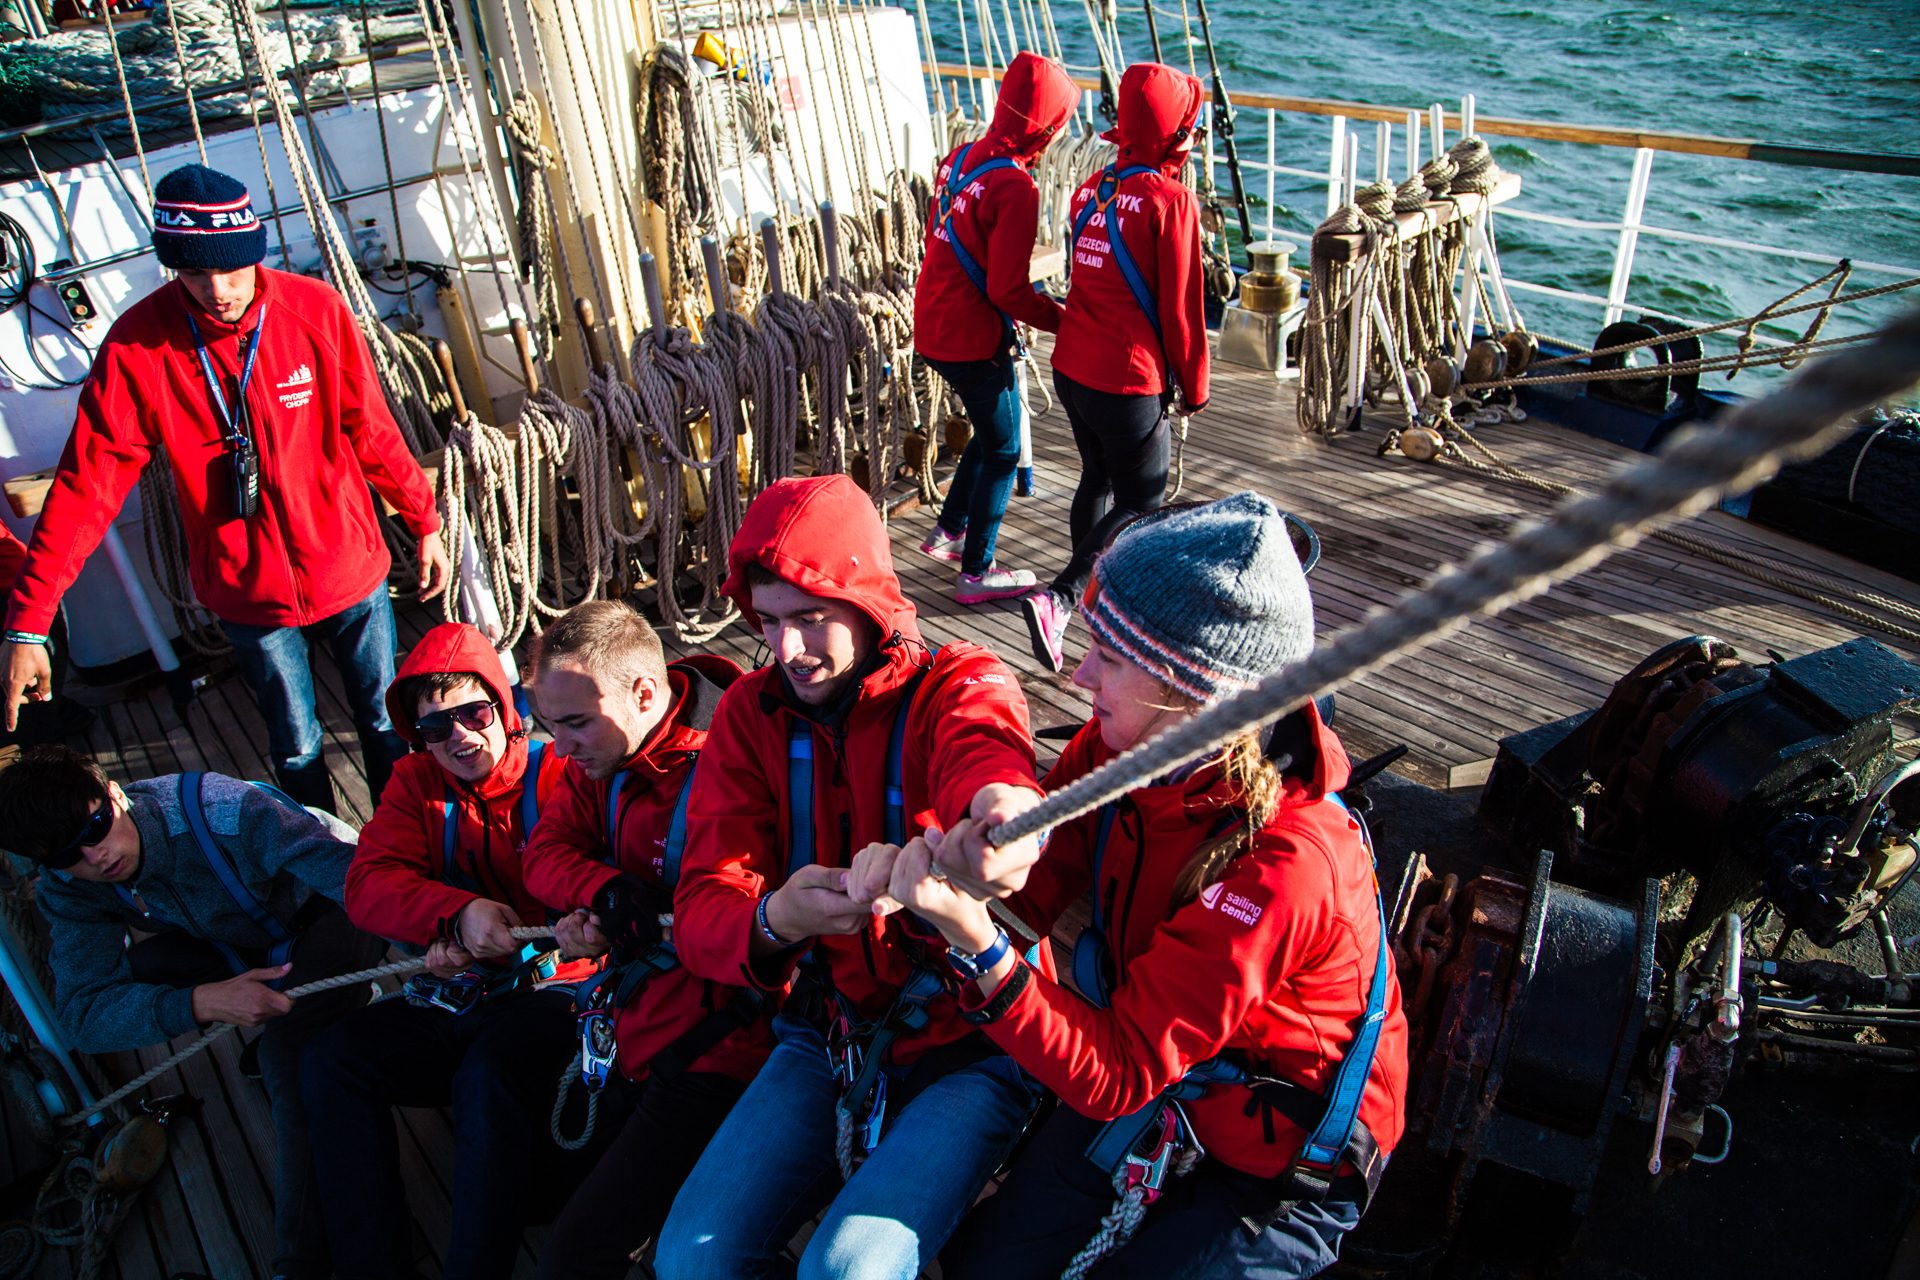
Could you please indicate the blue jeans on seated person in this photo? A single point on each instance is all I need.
(982, 483)
(771, 1168)
(276, 663)
(1051, 1205)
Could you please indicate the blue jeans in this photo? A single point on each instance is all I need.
(1051, 1205)
(276, 664)
(771, 1168)
(977, 498)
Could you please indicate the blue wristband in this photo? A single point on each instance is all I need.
(766, 930)
(979, 966)
(24, 637)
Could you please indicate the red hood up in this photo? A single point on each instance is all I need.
(453, 646)
(1036, 98)
(1158, 106)
(823, 535)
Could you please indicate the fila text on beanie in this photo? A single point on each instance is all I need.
(203, 220)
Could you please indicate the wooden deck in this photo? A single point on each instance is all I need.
(1386, 526)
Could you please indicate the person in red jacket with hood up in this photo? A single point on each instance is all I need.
(679, 1048)
(440, 867)
(259, 389)
(974, 286)
(880, 1103)
(1227, 982)
(1133, 340)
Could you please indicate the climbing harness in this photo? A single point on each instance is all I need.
(959, 178)
(464, 992)
(1139, 1151)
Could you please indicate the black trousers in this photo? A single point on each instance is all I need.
(1052, 1202)
(623, 1203)
(498, 1066)
(1125, 449)
(329, 945)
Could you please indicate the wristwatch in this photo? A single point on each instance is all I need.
(979, 966)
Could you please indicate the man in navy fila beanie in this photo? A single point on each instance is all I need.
(204, 221)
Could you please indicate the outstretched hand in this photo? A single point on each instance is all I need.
(28, 672)
(977, 867)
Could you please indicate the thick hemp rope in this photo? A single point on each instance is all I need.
(1743, 451)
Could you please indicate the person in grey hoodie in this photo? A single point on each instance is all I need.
(226, 936)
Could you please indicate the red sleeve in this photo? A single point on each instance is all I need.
(736, 839)
(385, 460)
(101, 463)
(1183, 314)
(391, 889)
(1013, 216)
(1185, 996)
(970, 722)
(563, 864)
(13, 553)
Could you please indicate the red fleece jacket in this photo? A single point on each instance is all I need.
(322, 429)
(967, 727)
(1274, 960)
(997, 218)
(569, 860)
(397, 884)
(1105, 340)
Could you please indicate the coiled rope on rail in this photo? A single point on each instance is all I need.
(1700, 465)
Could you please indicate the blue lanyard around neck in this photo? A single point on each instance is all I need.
(234, 426)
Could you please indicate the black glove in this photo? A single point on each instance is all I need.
(629, 909)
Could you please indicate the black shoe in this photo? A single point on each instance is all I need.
(250, 1059)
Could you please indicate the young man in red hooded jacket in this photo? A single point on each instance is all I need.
(880, 1103)
(679, 1048)
(439, 867)
(1133, 339)
(973, 288)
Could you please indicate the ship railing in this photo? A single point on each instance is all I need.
(1339, 176)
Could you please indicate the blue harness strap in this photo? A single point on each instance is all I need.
(450, 818)
(530, 789)
(959, 178)
(676, 843)
(223, 869)
(1337, 1135)
(1102, 201)
(801, 833)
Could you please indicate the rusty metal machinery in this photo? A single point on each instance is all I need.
(1525, 1003)
(1762, 781)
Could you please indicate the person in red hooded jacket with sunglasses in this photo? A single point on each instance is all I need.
(974, 286)
(439, 867)
(1133, 339)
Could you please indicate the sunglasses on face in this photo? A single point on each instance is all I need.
(98, 824)
(437, 726)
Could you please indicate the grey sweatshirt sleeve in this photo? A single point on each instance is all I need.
(97, 1002)
(269, 837)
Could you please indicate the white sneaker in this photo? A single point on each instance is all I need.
(995, 584)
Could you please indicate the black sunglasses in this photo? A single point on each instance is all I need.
(437, 726)
(99, 822)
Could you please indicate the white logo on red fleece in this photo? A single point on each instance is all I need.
(1216, 898)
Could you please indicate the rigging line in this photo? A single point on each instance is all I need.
(761, 40)
(615, 252)
(1013, 34)
(386, 155)
(966, 57)
(1153, 31)
(298, 81)
(491, 198)
(186, 82)
(126, 97)
(575, 205)
(1186, 27)
(1739, 453)
(259, 138)
(1222, 122)
(59, 206)
(876, 89)
(822, 105)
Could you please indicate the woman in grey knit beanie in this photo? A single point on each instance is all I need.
(1236, 961)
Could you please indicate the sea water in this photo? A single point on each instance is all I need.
(1829, 75)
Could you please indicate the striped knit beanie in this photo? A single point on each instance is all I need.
(1209, 599)
(204, 221)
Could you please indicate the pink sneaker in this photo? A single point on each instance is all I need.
(995, 584)
(942, 545)
(1047, 617)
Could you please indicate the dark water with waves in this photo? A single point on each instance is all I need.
(1831, 75)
